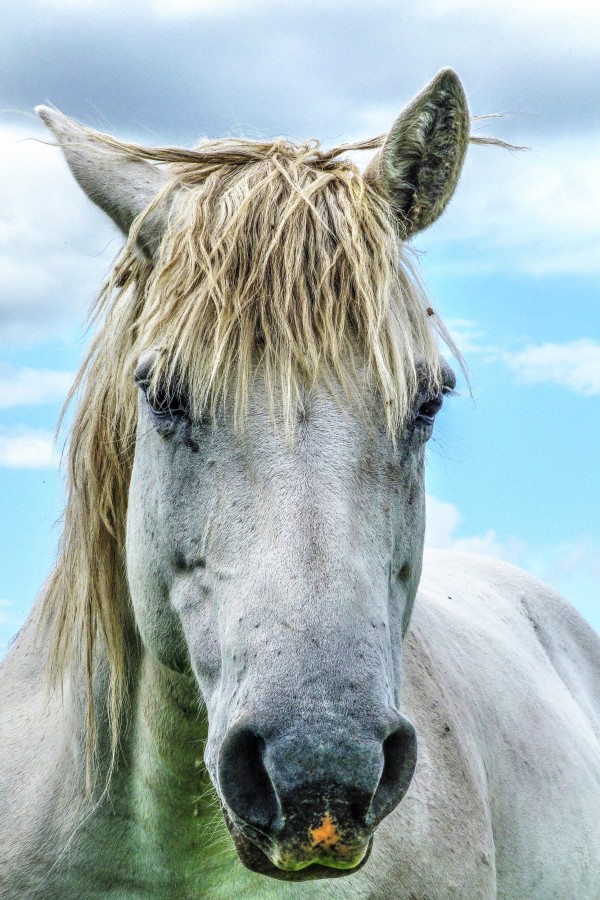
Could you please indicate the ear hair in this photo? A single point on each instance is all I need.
(418, 167)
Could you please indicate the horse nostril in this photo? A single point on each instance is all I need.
(359, 810)
(399, 761)
(244, 780)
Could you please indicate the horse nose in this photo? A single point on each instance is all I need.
(296, 781)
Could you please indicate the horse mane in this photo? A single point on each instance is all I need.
(276, 256)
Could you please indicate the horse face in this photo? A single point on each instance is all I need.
(284, 572)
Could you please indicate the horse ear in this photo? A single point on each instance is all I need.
(121, 185)
(418, 167)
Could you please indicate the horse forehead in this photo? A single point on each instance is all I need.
(327, 437)
(333, 464)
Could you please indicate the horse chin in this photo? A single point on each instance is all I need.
(257, 861)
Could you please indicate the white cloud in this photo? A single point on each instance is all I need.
(54, 245)
(28, 448)
(467, 334)
(537, 210)
(575, 555)
(28, 387)
(489, 544)
(564, 561)
(193, 8)
(555, 22)
(6, 614)
(573, 569)
(574, 365)
(443, 519)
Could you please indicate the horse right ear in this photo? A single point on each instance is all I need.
(121, 185)
(418, 167)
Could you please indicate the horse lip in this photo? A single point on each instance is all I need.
(255, 859)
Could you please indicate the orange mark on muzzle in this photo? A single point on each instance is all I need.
(326, 834)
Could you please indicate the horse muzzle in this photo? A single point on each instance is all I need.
(301, 806)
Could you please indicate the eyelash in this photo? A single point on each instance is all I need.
(428, 409)
(163, 405)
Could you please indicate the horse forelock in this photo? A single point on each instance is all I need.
(275, 256)
(280, 255)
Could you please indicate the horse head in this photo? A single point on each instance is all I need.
(287, 377)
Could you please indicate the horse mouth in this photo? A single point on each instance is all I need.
(255, 859)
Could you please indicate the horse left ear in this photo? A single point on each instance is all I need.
(120, 184)
(418, 167)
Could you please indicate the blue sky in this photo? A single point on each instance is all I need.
(512, 266)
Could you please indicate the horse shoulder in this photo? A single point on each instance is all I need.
(515, 673)
(36, 796)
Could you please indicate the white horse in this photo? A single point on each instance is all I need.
(230, 622)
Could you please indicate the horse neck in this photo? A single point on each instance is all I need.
(167, 731)
(169, 795)
(158, 825)
(161, 780)
(171, 816)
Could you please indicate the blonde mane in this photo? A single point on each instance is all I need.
(276, 257)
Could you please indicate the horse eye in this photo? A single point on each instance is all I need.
(165, 404)
(430, 408)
